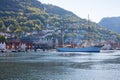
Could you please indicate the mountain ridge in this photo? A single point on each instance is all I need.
(111, 23)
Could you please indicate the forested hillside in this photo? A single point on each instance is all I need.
(30, 15)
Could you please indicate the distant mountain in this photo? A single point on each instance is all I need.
(19, 16)
(111, 23)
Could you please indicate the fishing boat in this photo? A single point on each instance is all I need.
(90, 48)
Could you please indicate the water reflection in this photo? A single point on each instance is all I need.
(60, 66)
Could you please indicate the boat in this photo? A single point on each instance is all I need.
(84, 49)
(90, 48)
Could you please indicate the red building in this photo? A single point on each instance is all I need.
(15, 44)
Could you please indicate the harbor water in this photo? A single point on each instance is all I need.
(60, 66)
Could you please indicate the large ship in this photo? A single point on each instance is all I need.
(85, 49)
(90, 48)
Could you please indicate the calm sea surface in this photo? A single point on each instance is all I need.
(60, 66)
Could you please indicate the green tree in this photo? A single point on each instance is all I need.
(38, 27)
(26, 28)
(3, 27)
(12, 28)
(18, 32)
(2, 39)
(16, 24)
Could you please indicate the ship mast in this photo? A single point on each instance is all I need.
(90, 33)
(89, 28)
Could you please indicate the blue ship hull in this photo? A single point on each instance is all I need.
(86, 49)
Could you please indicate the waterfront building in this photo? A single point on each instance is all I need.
(17, 44)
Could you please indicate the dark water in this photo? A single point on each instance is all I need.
(60, 66)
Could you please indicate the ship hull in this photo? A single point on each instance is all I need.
(86, 49)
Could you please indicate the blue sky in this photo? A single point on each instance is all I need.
(97, 9)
